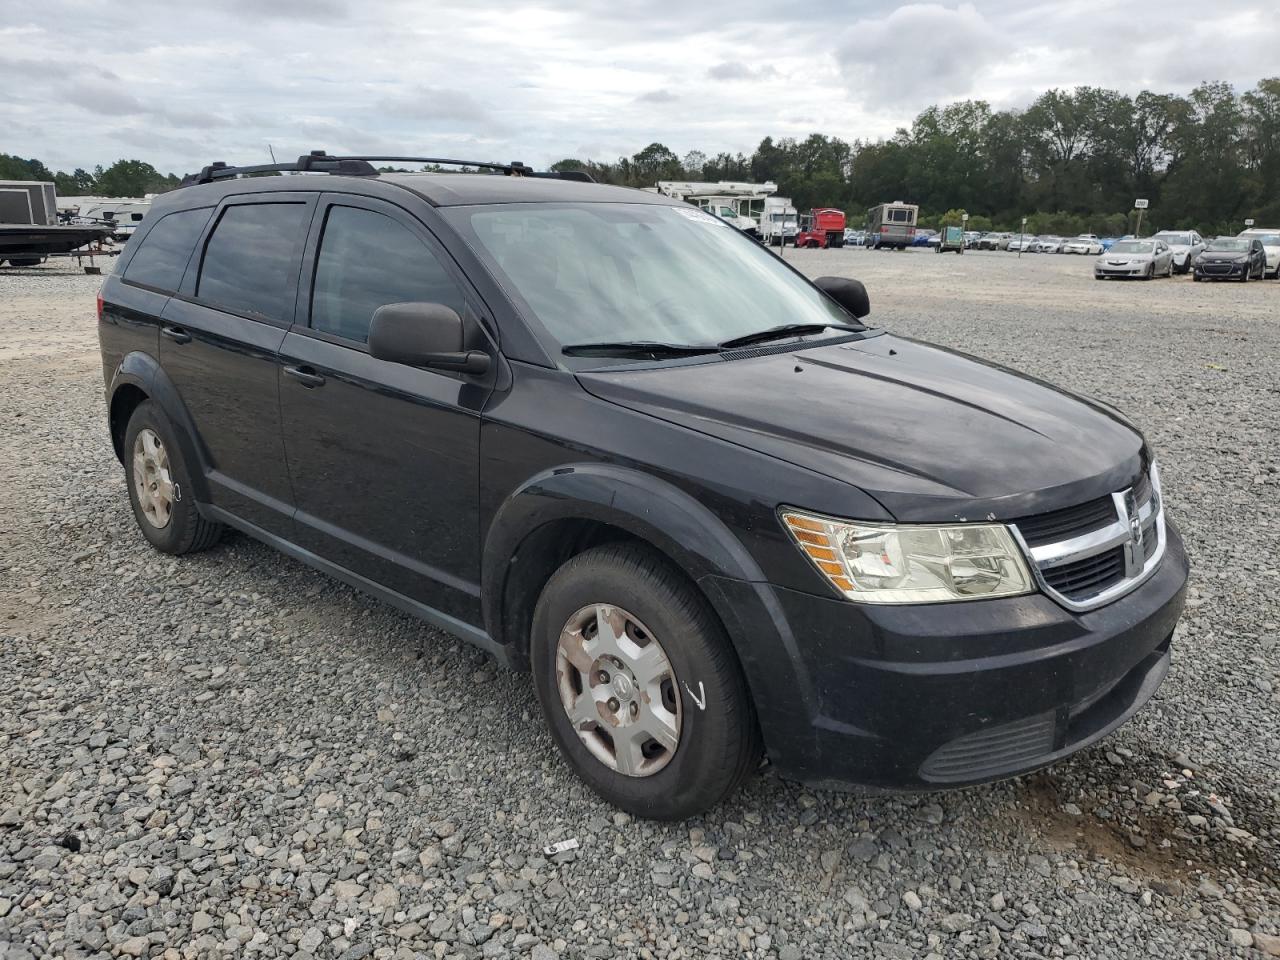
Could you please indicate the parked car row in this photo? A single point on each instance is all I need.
(1250, 256)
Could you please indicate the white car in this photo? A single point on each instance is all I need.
(1186, 245)
(1047, 245)
(1022, 243)
(1086, 244)
(1270, 237)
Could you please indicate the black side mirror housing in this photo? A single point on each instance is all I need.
(423, 335)
(850, 294)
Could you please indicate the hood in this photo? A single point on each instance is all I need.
(1122, 258)
(1223, 256)
(932, 434)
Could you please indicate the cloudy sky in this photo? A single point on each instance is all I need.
(180, 84)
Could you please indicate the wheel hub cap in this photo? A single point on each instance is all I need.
(618, 689)
(152, 479)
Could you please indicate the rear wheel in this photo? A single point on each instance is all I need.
(639, 685)
(160, 488)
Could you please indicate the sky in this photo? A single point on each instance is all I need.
(182, 84)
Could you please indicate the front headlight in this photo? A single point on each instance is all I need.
(912, 563)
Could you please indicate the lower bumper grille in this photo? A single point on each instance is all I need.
(1023, 745)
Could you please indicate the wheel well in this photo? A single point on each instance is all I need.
(539, 556)
(123, 402)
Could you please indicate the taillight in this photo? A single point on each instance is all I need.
(884, 229)
(99, 306)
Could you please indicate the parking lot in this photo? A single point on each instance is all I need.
(231, 754)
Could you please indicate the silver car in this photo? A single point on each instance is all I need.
(1047, 245)
(1144, 259)
(1185, 245)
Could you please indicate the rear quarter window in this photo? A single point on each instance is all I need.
(162, 258)
(248, 260)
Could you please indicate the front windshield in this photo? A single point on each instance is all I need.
(1131, 246)
(1228, 245)
(1181, 239)
(606, 272)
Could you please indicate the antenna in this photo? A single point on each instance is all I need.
(272, 152)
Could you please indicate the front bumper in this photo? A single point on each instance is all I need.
(941, 695)
(1220, 271)
(1128, 270)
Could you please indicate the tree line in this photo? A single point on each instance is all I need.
(124, 178)
(1071, 162)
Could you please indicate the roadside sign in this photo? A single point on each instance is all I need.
(1140, 204)
(964, 218)
(1249, 222)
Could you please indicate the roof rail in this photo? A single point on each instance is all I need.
(317, 161)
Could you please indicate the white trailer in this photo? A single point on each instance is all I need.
(779, 222)
(741, 204)
(124, 213)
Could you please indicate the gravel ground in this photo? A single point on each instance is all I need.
(233, 755)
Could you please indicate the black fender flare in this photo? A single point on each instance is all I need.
(639, 503)
(141, 370)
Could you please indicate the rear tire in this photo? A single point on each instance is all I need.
(703, 696)
(159, 483)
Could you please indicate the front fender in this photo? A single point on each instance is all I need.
(643, 505)
(143, 371)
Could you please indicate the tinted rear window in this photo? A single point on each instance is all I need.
(162, 258)
(248, 260)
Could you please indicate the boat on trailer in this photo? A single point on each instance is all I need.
(29, 228)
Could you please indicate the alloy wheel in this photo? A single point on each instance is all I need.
(618, 689)
(152, 478)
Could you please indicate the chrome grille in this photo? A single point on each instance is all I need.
(1089, 555)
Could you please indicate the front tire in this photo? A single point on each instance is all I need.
(639, 684)
(159, 483)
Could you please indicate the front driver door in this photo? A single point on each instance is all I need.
(384, 458)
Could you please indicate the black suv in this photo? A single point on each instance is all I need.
(611, 439)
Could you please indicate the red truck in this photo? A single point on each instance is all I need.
(821, 227)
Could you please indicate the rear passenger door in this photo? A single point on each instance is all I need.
(384, 457)
(219, 342)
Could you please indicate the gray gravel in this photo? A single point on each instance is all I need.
(232, 755)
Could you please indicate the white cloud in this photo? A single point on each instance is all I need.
(585, 77)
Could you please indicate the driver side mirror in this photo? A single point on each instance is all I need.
(423, 335)
(850, 294)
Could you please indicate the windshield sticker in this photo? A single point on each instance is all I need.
(697, 216)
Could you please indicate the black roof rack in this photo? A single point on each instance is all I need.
(317, 161)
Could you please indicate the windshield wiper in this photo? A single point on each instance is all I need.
(637, 348)
(785, 330)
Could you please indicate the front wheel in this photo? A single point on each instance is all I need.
(639, 684)
(1151, 272)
